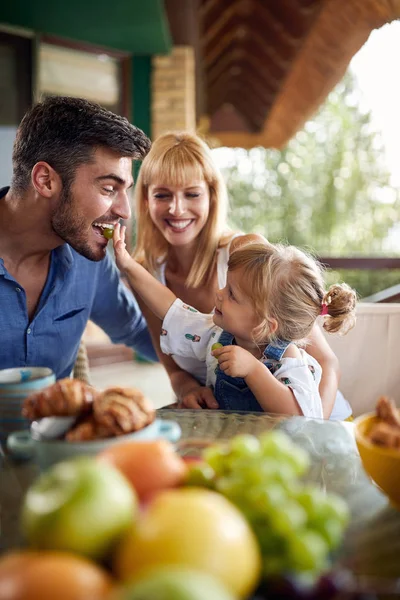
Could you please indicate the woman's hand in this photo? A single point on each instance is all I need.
(122, 257)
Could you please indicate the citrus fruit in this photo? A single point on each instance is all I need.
(149, 466)
(28, 575)
(196, 528)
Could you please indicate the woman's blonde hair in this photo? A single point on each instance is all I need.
(287, 285)
(177, 159)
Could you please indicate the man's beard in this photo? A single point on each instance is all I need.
(70, 227)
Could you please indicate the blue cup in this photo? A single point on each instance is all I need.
(15, 385)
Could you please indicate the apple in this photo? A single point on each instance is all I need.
(79, 505)
(175, 583)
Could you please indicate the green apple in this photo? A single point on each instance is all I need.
(80, 505)
(175, 583)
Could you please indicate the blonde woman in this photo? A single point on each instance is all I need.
(250, 344)
(184, 241)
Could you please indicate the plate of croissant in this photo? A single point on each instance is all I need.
(71, 418)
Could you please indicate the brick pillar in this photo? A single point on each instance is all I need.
(173, 91)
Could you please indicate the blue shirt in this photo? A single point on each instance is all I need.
(76, 290)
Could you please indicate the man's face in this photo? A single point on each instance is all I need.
(98, 197)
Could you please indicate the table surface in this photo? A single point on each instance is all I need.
(372, 542)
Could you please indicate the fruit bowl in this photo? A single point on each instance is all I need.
(381, 464)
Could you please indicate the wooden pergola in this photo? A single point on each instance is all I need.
(265, 66)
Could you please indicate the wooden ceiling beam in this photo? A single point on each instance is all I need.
(227, 91)
(224, 20)
(227, 60)
(211, 57)
(247, 73)
(294, 17)
(246, 66)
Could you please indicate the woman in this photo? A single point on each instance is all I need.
(183, 239)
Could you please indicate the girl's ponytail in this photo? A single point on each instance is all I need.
(338, 309)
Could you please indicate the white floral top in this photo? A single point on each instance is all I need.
(187, 332)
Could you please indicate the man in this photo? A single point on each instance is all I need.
(72, 171)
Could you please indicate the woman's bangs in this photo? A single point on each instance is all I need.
(176, 168)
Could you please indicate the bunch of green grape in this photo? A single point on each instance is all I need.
(297, 524)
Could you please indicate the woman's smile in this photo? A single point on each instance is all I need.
(179, 225)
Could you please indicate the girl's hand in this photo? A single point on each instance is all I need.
(235, 361)
(200, 397)
(122, 256)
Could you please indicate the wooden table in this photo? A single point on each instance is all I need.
(372, 542)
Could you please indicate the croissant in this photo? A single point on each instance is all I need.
(66, 397)
(123, 410)
(88, 429)
(387, 411)
(386, 435)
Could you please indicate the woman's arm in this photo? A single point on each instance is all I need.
(319, 349)
(190, 393)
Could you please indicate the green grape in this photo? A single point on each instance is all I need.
(276, 443)
(267, 497)
(311, 498)
(245, 446)
(330, 529)
(202, 475)
(298, 460)
(335, 508)
(230, 487)
(216, 346)
(215, 456)
(107, 232)
(287, 519)
(308, 551)
(296, 524)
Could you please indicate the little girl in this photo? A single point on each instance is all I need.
(271, 301)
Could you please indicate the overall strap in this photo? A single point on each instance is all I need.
(225, 338)
(276, 350)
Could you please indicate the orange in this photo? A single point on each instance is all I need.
(150, 466)
(28, 575)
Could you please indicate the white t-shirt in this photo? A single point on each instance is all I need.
(189, 333)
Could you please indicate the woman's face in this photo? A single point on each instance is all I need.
(180, 213)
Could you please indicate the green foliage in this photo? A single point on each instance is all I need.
(328, 190)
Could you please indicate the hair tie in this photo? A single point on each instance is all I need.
(324, 309)
(324, 306)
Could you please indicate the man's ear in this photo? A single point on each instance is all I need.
(46, 180)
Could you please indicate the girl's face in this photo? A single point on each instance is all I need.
(180, 213)
(234, 311)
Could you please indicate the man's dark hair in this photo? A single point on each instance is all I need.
(65, 132)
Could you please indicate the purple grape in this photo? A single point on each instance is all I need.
(331, 584)
(282, 587)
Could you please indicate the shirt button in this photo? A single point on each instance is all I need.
(17, 289)
(28, 330)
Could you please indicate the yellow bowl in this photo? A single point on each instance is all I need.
(381, 464)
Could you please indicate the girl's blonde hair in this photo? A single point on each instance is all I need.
(177, 159)
(287, 285)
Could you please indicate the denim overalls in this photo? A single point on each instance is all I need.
(232, 393)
